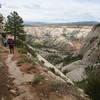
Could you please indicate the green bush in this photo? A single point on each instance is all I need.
(28, 60)
(22, 51)
(93, 87)
(70, 59)
(81, 84)
(20, 62)
(37, 79)
(19, 43)
(52, 70)
(32, 52)
(25, 59)
(37, 45)
(31, 67)
(55, 59)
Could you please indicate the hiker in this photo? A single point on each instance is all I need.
(11, 45)
(5, 42)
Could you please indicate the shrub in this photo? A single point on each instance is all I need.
(28, 60)
(92, 84)
(37, 79)
(55, 59)
(25, 59)
(56, 85)
(52, 70)
(71, 59)
(81, 84)
(93, 87)
(32, 52)
(37, 45)
(30, 68)
(22, 51)
(20, 62)
(19, 43)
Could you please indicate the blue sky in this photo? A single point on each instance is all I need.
(53, 10)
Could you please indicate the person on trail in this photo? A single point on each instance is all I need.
(10, 42)
(5, 42)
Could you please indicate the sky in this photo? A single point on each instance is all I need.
(53, 10)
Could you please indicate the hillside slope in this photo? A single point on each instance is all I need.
(33, 80)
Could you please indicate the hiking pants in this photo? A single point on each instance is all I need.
(11, 48)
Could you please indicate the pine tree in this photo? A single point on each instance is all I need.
(14, 25)
(1, 23)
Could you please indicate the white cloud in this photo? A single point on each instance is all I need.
(53, 10)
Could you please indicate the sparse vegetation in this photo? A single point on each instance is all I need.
(4, 51)
(20, 62)
(37, 79)
(25, 59)
(81, 84)
(32, 52)
(52, 70)
(56, 86)
(28, 60)
(22, 51)
(37, 45)
(93, 87)
(19, 43)
(31, 67)
(70, 59)
(92, 84)
(55, 59)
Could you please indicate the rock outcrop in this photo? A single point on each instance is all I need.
(91, 55)
(64, 40)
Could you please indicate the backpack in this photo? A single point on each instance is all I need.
(10, 41)
(5, 41)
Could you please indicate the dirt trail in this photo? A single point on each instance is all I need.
(14, 70)
(20, 80)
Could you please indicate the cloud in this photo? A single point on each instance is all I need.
(53, 10)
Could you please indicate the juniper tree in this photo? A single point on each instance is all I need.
(14, 25)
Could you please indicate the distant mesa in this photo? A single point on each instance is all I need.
(71, 23)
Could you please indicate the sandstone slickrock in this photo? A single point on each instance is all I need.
(59, 37)
(91, 55)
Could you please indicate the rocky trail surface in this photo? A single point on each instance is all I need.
(20, 78)
(14, 70)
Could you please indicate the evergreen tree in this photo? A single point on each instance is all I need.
(14, 25)
(1, 23)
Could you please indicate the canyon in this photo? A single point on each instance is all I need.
(60, 45)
